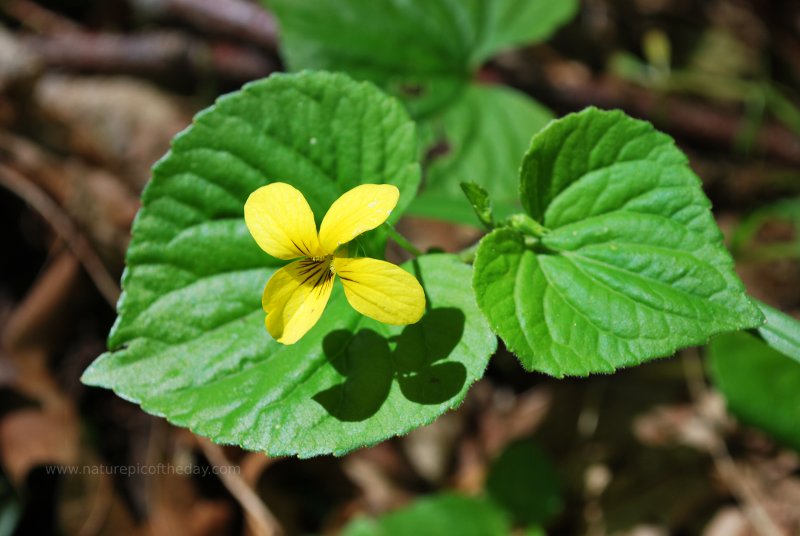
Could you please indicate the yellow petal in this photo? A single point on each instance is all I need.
(295, 298)
(381, 290)
(282, 223)
(357, 211)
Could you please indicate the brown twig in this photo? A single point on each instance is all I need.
(63, 226)
(102, 502)
(38, 18)
(149, 53)
(570, 85)
(259, 517)
(253, 466)
(231, 18)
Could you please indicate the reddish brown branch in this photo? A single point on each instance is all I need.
(152, 53)
(571, 86)
(231, 18)
(692, 120)
(37, 18)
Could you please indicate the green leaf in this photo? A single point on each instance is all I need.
(534, 531)
(441, 515)
(759, 384)
(423, 51)
(781, 331)
(485, 134)
(481, 204)
(524, 482)
(350, 382)
(631, 265)
(511, 23)
(190, 343)
(426, 52)
(415, 50)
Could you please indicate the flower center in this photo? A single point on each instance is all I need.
(327, 260)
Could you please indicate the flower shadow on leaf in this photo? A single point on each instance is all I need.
(418, 363)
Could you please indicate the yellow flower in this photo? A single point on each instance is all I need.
(282, 223)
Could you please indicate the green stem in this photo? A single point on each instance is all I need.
(527, 225)
(402, 241)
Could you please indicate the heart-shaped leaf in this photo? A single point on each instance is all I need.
(422, 51)
(630, 264)
(190, 343)
(427, 52)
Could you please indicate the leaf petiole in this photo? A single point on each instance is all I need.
(527, 225)
(402, 241)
